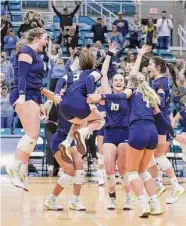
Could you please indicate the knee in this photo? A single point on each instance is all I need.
(133, 175)
(27, 144)
(65, 180)
(145, 176)
(163, 162)
(79, 177)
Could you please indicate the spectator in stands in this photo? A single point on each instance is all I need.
(66, 19)
(7, 68)
(164, 26)
(151, 33)
(7, 111)
(98, 52)
(3, 81)
(135, 31)
(122, 25)
(10, 41)
(99, 30)
(115, 37)
(54, 53)
(130, 61)
(7, 8)
(5, 26)
(72, 37)
(181, 82)
(59, 70)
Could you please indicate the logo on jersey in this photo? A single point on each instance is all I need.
(114, 107)
(76, 76)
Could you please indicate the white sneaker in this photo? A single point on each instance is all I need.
(145, 210)
(52, 204)
(160, 191)
(50, 171)
(111, 204)
(129, 203)
(80, 136)
(64, 147)
(15, 175)
(175, 195)
(76, 205)
(23, 176)
(155, 208)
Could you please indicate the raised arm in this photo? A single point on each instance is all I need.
(104, 71)
(76, 9)
(141, 53)
(55, 10)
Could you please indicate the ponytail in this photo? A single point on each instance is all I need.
(173, 74)
(148, 94)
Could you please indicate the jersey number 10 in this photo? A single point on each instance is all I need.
(114, 107)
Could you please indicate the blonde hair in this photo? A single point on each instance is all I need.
(33, 33)
(148, 94)
(22, 42)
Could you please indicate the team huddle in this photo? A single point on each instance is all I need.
(131, 119)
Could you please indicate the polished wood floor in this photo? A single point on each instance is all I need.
(19, 208)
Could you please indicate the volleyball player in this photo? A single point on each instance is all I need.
(181, 115)
(115, 134)
(26, 98)
(157, 67)
(74, 108)
(73, 171)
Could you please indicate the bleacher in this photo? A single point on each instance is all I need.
(119, 5)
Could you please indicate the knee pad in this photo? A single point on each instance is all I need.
(163, 162)
(145, 176)
(65, 181)
(100, 159)
(27, 144)
(110, 180)
(102, 123)
(133, 176)
(79, 177)
(125, 179)
(152, 162)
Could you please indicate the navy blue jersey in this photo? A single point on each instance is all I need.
(183, 115)
(80, 83)
(15, 66)
(36, 70)
(163, 83)
(63, 125)
(116, 113)
(139, 109)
